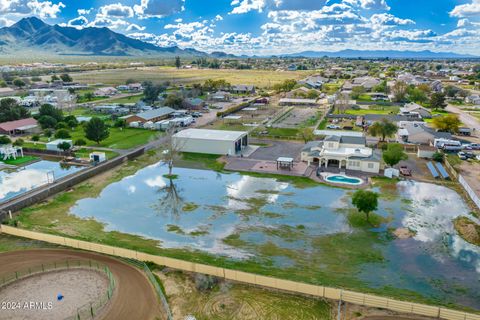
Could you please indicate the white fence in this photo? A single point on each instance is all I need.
(469, 190)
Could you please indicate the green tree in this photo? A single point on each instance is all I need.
(47, 122)
(285, 86)
(19, 83)
(357, 92)
(178, 63)
(384, 128)
(62, 134)
(417, 95)
(80, 142)
(5, 140)
(306, 134)
(64, 146)
(151, 91)
(19, 142)
(381, 87)
(35, 138)
(96, 130)
(66, 77)
(399, 91)
(54, 78)
(394, 154)
(88, 96)
(449, 123)
(365, 201)
(437, 101)
(173, 101)
(49, 110)
(10, 110)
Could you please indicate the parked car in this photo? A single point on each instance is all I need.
(471, 146)
(333, 126)
(466, 155)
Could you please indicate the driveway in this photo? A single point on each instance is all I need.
(276, 149)
(469, 120)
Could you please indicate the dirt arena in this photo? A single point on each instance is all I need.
(134, 297)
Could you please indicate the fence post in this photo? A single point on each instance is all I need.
(91, 310)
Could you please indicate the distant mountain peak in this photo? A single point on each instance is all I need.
(31, 36)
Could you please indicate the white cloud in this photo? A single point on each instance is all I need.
(135, 27)
(369, 4)
(82, 12)
(4, 22)
(466, 10)
(43, 9)
(389, 20)
(244, 6)
(78, 22)
(116, 10)
(103, 22)
(158, 8)
(218, 18)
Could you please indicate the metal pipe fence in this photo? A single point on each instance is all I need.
(86, 311)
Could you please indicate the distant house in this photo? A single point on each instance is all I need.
(419, 133)
(292, 67)
(22, 126)
(379, 96)
(344, 152)
(413, 108)
(302, 92)
(107, 91)
(150, 116)
(315, 82)
(473, 99)
(220, 96)
(367, 82)
(242, 89)
(53, 145)
(193, 103)
(436, 86)
(111, 109)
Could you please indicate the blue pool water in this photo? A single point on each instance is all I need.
(291, 227)
(344, 179)
(21, 180)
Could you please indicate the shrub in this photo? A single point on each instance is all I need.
(36, 138)
(19, 142)
(5, 140)
(62, 134)
(437, 156)
(80, 142)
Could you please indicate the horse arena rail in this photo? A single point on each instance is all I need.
(88, 310)
(253, 279)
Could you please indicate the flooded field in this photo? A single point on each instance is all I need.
(311, 231)
(18, 181)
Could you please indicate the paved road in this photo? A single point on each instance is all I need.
(134, 297)
(469, 120)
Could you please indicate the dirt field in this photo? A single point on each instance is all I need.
(134, 298)
(259, 78)
(78, 286)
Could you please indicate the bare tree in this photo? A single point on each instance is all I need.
(172, 151)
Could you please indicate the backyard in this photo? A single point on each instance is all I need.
(286, 228)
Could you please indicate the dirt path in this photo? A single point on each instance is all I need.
(134, 298)
(469, 120)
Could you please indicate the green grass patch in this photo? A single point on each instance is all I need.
(208, 161)
(20, 161)
(130, 99)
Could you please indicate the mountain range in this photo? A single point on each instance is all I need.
(393, 54)
(32, 35)
(34, 38)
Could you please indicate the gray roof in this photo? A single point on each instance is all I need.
(155, 113)
(375, 156)
(312, 144)
(332, 138)
(353, 140)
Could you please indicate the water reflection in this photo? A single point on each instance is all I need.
(13, 183)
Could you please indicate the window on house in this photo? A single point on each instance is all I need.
(370, 165)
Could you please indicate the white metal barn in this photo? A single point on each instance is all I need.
(211, 141)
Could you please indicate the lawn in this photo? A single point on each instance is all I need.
(331, 88)
(119, 138)
(34, 145)
(374, 109)
(259, 78)
(282, 132)
(85, 153)
(129, 99)
(20, 161)
(364, 97)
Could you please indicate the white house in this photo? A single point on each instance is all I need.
(345, 152)
(211, 141)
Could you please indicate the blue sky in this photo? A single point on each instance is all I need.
(271, 26)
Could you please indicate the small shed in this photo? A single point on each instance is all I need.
(98, 157)
(391, 172)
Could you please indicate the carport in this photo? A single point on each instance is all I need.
(284, 163)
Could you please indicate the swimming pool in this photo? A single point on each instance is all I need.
(344, 179)
(21, 180)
